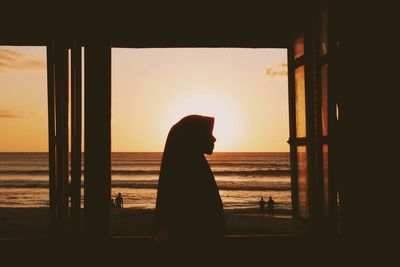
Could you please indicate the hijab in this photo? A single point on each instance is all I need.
(188, 205)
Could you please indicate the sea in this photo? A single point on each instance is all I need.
(242, 178)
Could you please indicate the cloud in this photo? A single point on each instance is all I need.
(279, 70)
(10, 59)
(7, 114)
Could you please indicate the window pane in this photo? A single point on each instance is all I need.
(302, 180)
(299, 47)
(326, 178)
(324, 100)
(24, 178)
(324, 32)
(300, 102)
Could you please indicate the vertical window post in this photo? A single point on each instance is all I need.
(97, 138)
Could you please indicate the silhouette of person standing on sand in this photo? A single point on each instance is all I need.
(270, 204)
(262, 206)
(119, 202)
(186, 175)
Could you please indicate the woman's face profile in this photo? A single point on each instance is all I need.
(209, 149)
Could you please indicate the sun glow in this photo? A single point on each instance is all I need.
(245, 90)
(209, 103)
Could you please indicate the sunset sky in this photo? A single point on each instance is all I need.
(244, 89)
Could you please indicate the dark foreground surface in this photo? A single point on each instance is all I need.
(236, 251)
(251, 239)
(33, 223)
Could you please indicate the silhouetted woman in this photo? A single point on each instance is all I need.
(189, 207)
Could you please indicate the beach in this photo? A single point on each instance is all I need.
(242, 179)
(127, 222)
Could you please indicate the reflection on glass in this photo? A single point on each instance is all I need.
(326, 178)
(324, 100)
(299, 47)
(302, 180)
(300, 102)
(324, 32)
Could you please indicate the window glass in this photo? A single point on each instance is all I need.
(302, 180)
(299, 47)
(300, 102)
(324, 32)
(324, 99)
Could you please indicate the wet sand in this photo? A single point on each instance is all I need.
(33, 223)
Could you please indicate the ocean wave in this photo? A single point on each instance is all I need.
(220, 173)
(156, 172)
(231, 187)
(255, 188)
(24, 184)
(24, 172)
(253, 173)
(212, 164)
(150, 185)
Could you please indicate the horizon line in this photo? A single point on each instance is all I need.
(152, 152)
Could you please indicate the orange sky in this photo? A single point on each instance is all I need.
(23, 99)
(244, 89)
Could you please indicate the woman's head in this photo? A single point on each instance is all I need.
(192, 134)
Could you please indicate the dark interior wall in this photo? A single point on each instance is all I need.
(368, 123)
(151, 24)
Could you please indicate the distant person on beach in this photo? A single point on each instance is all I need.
(112, 203)
(270, 204)
(262, 206)
(189, 207)
(119, 202)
